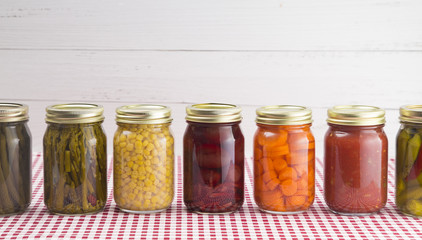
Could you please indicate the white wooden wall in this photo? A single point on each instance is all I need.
(248, 52)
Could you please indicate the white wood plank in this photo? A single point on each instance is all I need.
(212, 25)
(387, 79)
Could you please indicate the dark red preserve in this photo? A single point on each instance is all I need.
(213, 170)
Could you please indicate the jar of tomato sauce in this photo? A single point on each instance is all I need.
(284, 159)
(355, 161)
(213, 159)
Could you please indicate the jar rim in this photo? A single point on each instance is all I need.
(213, 113)
(411, 113)
(356, 115)
(13, 112)
(74, 113)
(143, 114)
(284, 115)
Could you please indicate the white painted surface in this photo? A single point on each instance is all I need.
(247, 52)
(213, 25)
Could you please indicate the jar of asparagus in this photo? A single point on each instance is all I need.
(15, 159)
(75, 159)
(409, 161)
(143, 159)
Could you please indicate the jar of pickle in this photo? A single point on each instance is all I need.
(143, 159)
(75, 159)
(409, 161)
(213, 159)
(284, 159)
(15, 159)
(355, 161)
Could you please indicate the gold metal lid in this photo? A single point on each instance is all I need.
(213, 113)
(283, 115)
(143, 114)
(13, 112)
(411, 113)
(356, 115)
(74, 113)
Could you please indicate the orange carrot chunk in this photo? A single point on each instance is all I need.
(272, 138)
(302, 183)
(267, 164)
(295, 201)
(287, 173)
(301, 169)
(299, 141)
(273, 184)
(288, 187)
(299, 157)
(268, 176)
(276, 151)
(279, 164)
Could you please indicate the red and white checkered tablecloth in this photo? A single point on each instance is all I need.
(177, 223)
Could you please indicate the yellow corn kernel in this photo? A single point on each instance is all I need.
(122, 144)
(148, 169)
(154, 199)
(135, 166)
(131, 136)
(129, 164)
(129, 147)
(139, 137)
(147, 163)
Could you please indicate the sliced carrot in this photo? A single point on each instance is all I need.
(302, 192)
(272, 138)
(259, 185)
(299, 157)
(258, 169)
(279, 164)
(276, 151)
(288, 187)
(271, 198)
(273, 184)
(302, 183)
(295, 201)
(267, 164)
(299, 141)
(288, 173)
(301, 169)
(311, 155)
(257, 153)
(268, 176)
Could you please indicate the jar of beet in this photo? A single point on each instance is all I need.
(213, 159)
(356, 154)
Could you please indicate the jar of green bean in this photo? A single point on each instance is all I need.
(15, 159)
(75, 159)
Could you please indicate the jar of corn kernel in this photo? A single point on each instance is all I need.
(143, 159)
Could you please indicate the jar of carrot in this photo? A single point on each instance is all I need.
(284, 159)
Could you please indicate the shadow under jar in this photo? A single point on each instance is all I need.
(213, 159)
(143, 159)
(409, 161)
(355, 161)
(284, 159)
(75, 159)
(15, 159)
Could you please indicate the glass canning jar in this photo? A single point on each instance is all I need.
(213, 159)
(409, 161)
(75, 159)
(15, 159)
(284, 159)
(143, 159)
(356, 160)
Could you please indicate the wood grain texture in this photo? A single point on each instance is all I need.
(314, 79)
(212, 25)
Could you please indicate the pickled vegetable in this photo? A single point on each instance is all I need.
(213, 177)
(143, 167)
(409, 170)
(15, 167)
(284, 167)
(75, 168)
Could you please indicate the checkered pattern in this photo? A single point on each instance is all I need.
(176, 222)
